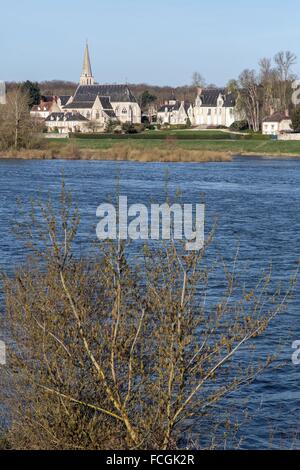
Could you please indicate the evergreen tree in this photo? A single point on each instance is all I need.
(33, 91)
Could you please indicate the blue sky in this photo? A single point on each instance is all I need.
(156, 41)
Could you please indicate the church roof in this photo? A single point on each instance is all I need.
(110, 113)
(86, 68)
(80, 105)
(116, 93)
(104, 100)
(64, 99)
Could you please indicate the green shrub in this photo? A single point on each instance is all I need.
(240, 126)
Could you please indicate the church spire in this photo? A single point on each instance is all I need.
(86, 74)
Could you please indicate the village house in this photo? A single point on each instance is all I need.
(276, 124)
(213, 107)
(45, 108)
(173, 112)
(64, 123)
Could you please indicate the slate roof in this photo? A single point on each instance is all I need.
(209, 98)
(110, 113)
(169, 107)
(277, 117)
(64, 99)
(104, 100)
(116, 93)
(80, 105)
(68, 117)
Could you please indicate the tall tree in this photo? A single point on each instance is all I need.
(284, 62)
(249, 101)
(146, 98)
(33, 91)
(268, 76)
(198, 79)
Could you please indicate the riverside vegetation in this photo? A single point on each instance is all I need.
(119, 353)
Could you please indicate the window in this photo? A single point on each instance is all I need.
(209, 112)
(97, 115)
(124, 111)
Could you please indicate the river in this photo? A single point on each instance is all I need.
(256, 202)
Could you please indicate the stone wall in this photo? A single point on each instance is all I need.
(289, 137)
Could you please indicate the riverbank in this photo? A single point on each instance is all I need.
(119, 152)
(174, 148)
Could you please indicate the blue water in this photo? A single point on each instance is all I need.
(256, 202)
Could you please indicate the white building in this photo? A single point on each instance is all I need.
(173, 112)
(64, 123)
(276, 124)
(214, 107)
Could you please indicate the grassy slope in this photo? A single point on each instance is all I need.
(208, 140)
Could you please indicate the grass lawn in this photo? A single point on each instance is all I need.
(259, 146)
(235, 147)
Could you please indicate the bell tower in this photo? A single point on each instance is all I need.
(86, 77)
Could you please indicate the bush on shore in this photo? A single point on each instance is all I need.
(115, 354)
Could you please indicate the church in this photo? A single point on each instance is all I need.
(101, 103)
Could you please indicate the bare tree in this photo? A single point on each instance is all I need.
(198, 80)
(284, 62)
(17, 129)
(106, 354)
(249, 99)
(268, 76)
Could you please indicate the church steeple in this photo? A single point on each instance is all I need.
(86, 77)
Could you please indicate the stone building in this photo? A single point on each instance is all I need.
(213, 107)
(101, 103)
(173, 112)
(64, 123)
